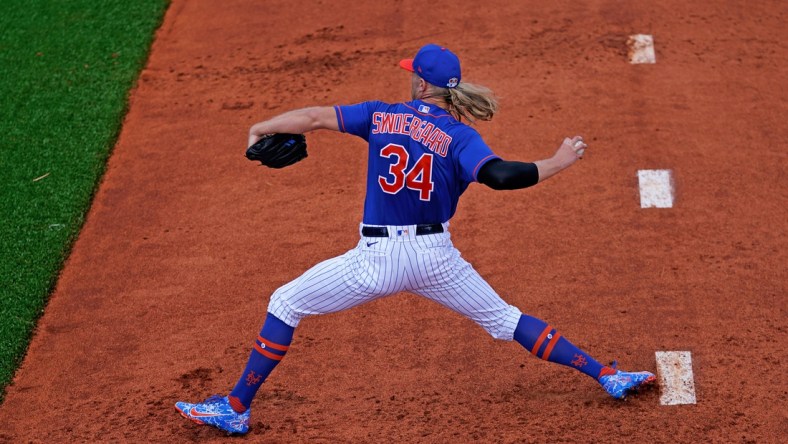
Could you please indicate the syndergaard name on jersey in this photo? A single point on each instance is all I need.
(407, 124)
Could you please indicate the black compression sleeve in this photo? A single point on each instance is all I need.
(508, 175)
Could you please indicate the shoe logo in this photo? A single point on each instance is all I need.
(240, 423)
(369, 244)
(197, 414)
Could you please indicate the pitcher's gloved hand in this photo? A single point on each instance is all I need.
(278, 150)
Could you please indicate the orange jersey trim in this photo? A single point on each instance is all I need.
(479, 165)
(341, 118)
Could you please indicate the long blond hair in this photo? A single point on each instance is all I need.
(469, 101)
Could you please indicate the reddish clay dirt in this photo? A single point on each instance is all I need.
(167, 285)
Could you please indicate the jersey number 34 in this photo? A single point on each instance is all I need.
(419, 178)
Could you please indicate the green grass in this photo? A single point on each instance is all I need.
(65, 71)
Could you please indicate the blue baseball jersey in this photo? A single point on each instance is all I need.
(421, 159)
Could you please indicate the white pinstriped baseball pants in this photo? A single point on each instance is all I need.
(427, 265)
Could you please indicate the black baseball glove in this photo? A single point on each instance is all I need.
(278, 150)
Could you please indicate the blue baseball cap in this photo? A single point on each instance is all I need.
(435, 64)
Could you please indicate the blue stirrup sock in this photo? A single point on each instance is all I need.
(544, 342)
(269, 348)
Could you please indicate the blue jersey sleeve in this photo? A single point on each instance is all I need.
(356, 119)
(471, 154)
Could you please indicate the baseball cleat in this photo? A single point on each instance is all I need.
(216, 411)
(620, 384)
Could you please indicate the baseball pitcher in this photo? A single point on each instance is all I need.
(421, 158)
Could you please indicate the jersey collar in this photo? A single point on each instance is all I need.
(428, 109)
